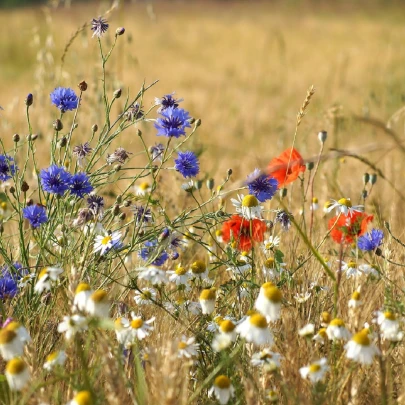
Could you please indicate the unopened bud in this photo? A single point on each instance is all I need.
(117, 93)
(139, 132)
(1, 228)
(122, 216)
(119, 199)
(210, 184)
(29, 100)
(229, 172)
(198, 184)
(116, 210)
(378, 252)
(310, 165)
(82, 86)
(198, 122)
(16, 138)
(364, 194)
(119, 31)
(322, 135)
(75, 125)
(29, 202)
(283, 192)
(94, 128)
(174, 256)
(366, 178)
(127, 203)
(24, 186)
(219, 214)
(117, 168)
(63, 142)
(12, 190)
(57, 125)
(191, 120)
(373, 178)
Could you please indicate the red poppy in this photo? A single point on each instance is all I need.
(345, 228)
(286, 167)
(243, 231)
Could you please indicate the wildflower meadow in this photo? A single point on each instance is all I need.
(141, 266)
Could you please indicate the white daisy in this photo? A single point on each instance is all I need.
(255, 330)
(344, 206)
(17, 374)
(187, 347)
(361, 349)
(45, 277)
(146, 296)
(269, 301)
(180, 276)
(248, 206)
(389, 325)
(71, 325)
(82, 398)
(371, 270)
(207, 300)
(10, 344)
(138, 328)
(121, 330)
(153, 274)
(267, 359)
(314, 204)
(270, 243)
(103, 243)
(20, 330)
(198, 270)
(336, 330)
(98, 304)
(82, 294)
(143, 188)
(351, 269)
(302, 297)
(307, 331)
(222, 389)
(315, 371)
(55, 359)
(273, 270)
(321, 337)
(355, 300)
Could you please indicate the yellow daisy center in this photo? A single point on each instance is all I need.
(218, 232)
(227, 326)
(106, 240)
(322, 333)
(146, 295)
(315, 200)
(136, 323)
(43, 273)
(258, 320)
(346, 202)
(13, 326)
(352, 265)
(356, 296)
(82, 287)
(52, 357)
(118, 324)
(144, 186)
(84, 398)
(15, 366)
(328, 204)
(250, 201)
(389, 315)
(314, 368)
(266, 356)
(273, 294)
(267, 285)
(182, 345)
(270, 263)
(180, 271)
(208, 294)
(7, 336)
(326, 317)
(362, 338)
(222, 381)
(99, 296)
(218, 319)
(337, 322)
(4, 205)
(198, 267)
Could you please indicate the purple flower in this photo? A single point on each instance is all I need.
(157, 151)
(55, 179)
(95, 203)
(173, 123)
(36, 215)
(65, 99)
(187, 164)
(80, 185)
(8, 287)
(99, 26)
(167, 101)
(7, 167)
(371, 240)
(150, 251)
(261, 186)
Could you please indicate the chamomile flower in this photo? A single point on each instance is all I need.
(370, 270)
(187, 347)
(226, 335)
(198, 270)
(145, 297)
(355, 300)
(17, 374)
(121, 330)
(207, 300)
(143, 188)
(255, 330)
(221, 342)
(326, 206)
(193, 307)
(45, 277)
(153, 274)
(316, 371)
(54, 359)
(10, 344)
(138, 328)
(98, 304)
(307, 331)
(20, 330)
(82, 294)
(179, 276)
(104, 243)
(267, 359)
(271, 269)
(72, 325)
(361, 349)
(269, 301)
(302, 297)
(336, 330)
(82, 398)
(240, 268)
(222, 389)
(344, 206)
(325, 318)
(351, 269)
(314, 204)
(321, 337)
(270, 243)
(248, 206)
(389, 325)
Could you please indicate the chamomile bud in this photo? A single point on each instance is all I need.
(322, 136)
(207, 301)
(10, 344)
(222, 389)
(98, 304)
(17, 374)
(269, 302)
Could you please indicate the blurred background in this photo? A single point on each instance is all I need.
(243, 67)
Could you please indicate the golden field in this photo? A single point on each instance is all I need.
(244, 68)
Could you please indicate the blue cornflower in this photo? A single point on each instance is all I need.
(55, 179)
(36, 214)
(167, 101)
(99, 26)
(371, 240)
(173, 123)
(17, 271)
(7, 167)
(261, 186)
(187, 164)
(8, 287)
(150, 251)
(80, 185)
(65, 99)
(141, 214)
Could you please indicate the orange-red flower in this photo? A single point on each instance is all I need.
(243, 231)
(286, 167)
(345, 228)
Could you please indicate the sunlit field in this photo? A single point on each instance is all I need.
(202, 203)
